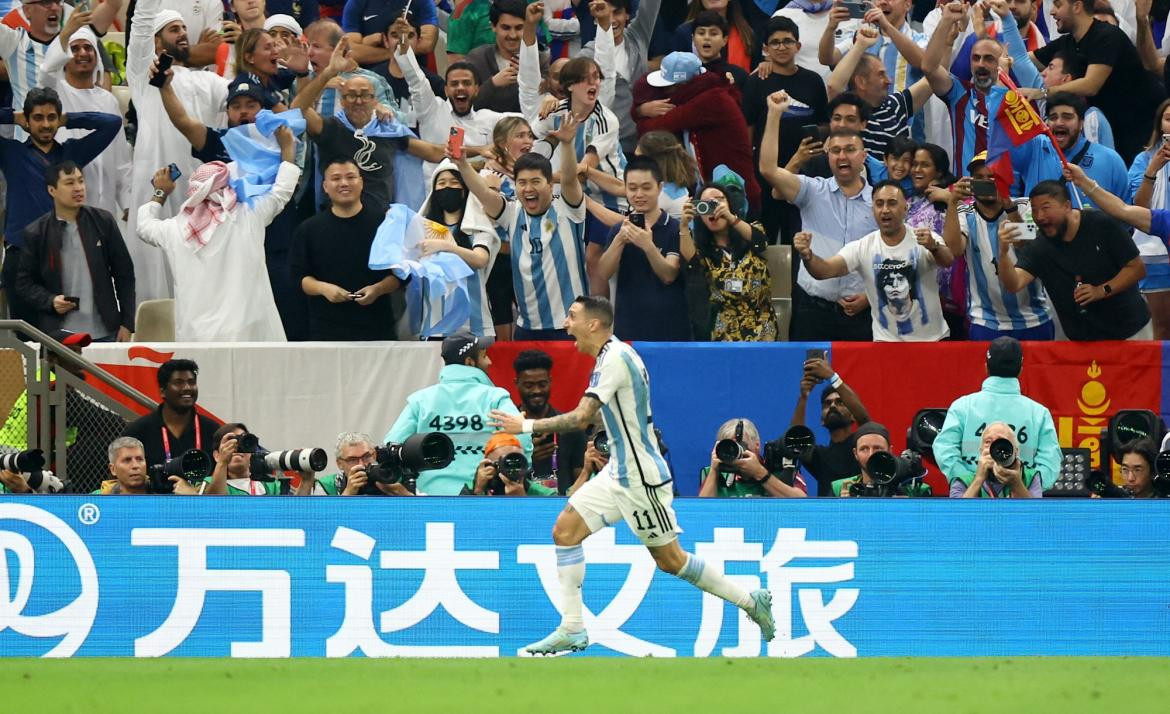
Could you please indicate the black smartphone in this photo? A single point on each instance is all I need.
(814, 354)
(638, 219)
(73, 299)
(164, 63)
(983, 188)
(811, 131)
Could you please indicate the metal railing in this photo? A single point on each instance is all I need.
(57, 407)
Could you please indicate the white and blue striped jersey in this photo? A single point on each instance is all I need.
(599, 131)
(988, 305)
(619, 381)
(23, 55)
(548, 261)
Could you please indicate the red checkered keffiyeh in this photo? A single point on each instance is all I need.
(209, 200)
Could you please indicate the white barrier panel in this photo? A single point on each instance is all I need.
(292, 395)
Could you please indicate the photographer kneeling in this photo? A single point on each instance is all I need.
(738, 469)
(998, 472)
(355, 455)
(505, 471)
(886, 475)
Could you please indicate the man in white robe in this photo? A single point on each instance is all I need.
(158, 142)
(73, 67)
(215, 250)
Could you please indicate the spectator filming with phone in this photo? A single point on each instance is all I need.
(642, 252)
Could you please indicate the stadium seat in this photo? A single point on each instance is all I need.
(780, 267)
(155, 321)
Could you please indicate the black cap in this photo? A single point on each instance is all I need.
(458, 347)
(1005, 357)
(872, 427)
(245, 87)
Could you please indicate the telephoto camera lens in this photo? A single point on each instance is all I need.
(315, 460)
(882, 467)
(512, 466)
(728, 451)
(23, 462)
(1003, 452)
(799, 438)
(1162, 466)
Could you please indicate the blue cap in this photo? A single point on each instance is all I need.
(677, 67)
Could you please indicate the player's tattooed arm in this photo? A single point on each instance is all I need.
(578, 419)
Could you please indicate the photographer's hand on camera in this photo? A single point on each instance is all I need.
(14, 482)
(183, 487)
(484, 473)
(219, 474)
(592, 464)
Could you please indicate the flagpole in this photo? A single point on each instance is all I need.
(1007, 82)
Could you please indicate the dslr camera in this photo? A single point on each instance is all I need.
(402, 463)
(192, 465)
(890, 474)
(265, 465)
(31, 465)
(512, 467)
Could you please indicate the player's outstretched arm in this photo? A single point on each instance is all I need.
(578, 419)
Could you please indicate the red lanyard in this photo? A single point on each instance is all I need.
(167, 440)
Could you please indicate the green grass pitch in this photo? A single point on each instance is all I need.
(589, 685)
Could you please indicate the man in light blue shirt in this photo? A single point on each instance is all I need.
(959, 446)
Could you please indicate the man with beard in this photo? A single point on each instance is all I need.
(1088, 264)
(436, 116)
(974, 228)
(175, 427)
(868, 440)
(887, 15)
(500, 62)
(159, 142)
(244, 102)
(1115, 78)
(841, 408)
(1038, 161)
(555, 457)
(73, 68)
(971, 104)
(27, 32)
(835, 212)
(23, 164)
(894, 262)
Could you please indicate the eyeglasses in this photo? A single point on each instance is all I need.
(363, 459)
(788, 42)
(356, 97)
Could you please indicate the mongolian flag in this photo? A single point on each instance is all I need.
(1015, 123)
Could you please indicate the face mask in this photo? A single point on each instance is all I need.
(448, 199)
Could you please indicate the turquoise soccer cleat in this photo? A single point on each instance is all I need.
(761, 613)
(558, 643)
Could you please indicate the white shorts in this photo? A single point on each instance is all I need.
(647, 511)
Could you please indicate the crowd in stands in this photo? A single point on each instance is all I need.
(405, 169)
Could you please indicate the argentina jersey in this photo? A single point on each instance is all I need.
(988, 303)
(601, 131)
(619, 381)
(548, 261)
(23, 55)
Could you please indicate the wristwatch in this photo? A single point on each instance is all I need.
(1107, 288)
(160, 194)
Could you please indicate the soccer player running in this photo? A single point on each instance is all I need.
(634, 486)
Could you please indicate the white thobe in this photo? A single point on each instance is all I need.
(158, 143)
(107, 178)
(222, 293)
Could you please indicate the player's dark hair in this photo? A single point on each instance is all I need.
(597, 308)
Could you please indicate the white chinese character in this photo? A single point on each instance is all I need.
(728, 546)
(818, 616)
(195, 580)
(605, 627)
(439, 587)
